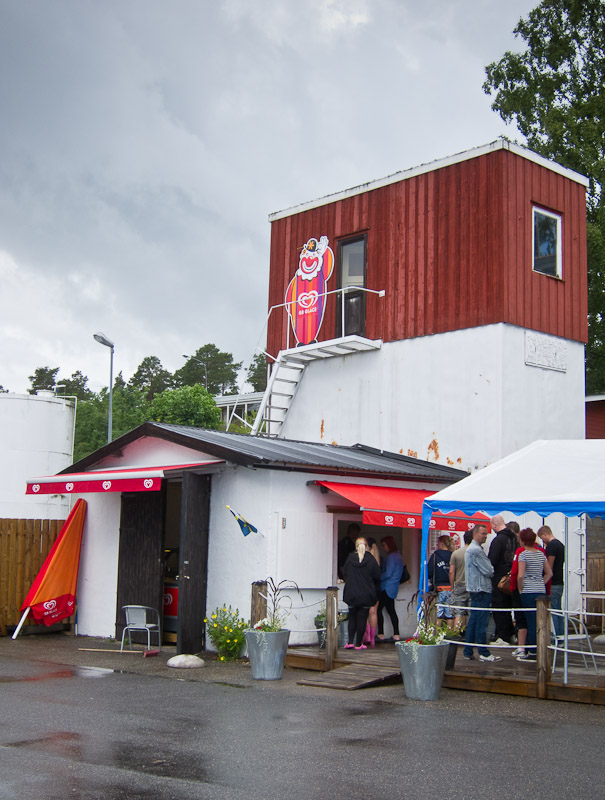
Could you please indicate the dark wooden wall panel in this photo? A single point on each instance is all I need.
(141, 554)
(452, 249)
(193, 562)
(595, 419)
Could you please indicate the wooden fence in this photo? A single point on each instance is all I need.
(595, 582)
(595, 572)
(24, 544)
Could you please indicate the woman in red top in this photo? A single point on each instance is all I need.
(520, 620)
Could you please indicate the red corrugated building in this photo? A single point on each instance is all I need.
(450, 243)
(462, 334)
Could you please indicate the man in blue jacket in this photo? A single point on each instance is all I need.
(478, 574)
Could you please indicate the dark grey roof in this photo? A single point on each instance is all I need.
(262, 452)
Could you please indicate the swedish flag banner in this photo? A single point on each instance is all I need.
(243, 523)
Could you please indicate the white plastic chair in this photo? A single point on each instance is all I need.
(141, 618)
(577, 636)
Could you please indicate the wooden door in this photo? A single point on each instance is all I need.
(193, 562)
(140, 562)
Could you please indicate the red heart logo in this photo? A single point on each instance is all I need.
(307, 299)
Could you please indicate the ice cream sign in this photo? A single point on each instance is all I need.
(306, 294)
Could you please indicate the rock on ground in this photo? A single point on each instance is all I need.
(185, 662)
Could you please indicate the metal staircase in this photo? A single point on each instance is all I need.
(288, 372)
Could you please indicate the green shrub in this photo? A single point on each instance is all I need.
(226, 632)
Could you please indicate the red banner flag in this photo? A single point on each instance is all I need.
(52, 596)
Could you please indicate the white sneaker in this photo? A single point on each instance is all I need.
(500, 641)
(520, 651)
(491, 658)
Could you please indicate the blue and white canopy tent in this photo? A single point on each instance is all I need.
(560, 476)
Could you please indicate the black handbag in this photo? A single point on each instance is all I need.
(405, 575)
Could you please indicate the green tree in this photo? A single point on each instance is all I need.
(129, 410)
(91, 426)
(76, 386)
(257, 373)
(188, 405)
(151, 378)
(211, 368)
(554, 91)
(43, 378)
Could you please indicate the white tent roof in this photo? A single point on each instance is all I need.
(566, 476)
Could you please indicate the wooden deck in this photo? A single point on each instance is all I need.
(357, 669)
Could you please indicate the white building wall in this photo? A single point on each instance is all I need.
(98, 576)
(36, 438)
(299, 549)
(299, 544)
(465, 398)
(149, 451)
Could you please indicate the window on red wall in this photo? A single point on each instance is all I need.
(351, 255)
(547, 243)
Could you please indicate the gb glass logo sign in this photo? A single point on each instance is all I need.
(306, 294)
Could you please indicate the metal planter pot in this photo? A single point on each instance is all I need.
(267, 653)
(422, 668)
(342, 635)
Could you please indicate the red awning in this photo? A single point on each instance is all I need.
(397, 507)
(131, 479)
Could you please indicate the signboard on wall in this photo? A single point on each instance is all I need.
(306, 293)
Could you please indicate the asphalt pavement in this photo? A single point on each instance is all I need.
(79, 723)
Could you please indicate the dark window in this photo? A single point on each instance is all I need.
(547, 243)
(352, 277)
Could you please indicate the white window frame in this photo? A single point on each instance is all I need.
(559, 249)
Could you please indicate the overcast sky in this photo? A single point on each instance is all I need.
(143, 144)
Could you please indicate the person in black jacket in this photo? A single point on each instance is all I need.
(362, 589)
(501, 554)
(439, 579)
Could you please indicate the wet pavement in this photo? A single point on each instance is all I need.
(78, 723)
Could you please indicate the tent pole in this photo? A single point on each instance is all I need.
(565, 602)
(22, 620)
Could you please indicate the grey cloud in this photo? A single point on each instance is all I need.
(144, 143)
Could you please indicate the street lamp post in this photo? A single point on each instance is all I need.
(102, 339)
(203, 363)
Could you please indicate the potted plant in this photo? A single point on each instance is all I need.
(422, 657)
(320, 624)
(225, 630)
(267, 640)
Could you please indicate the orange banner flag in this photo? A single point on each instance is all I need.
(52, 596)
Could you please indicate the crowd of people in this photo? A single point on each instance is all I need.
(471, 585)
(371, 586)
(511, 575)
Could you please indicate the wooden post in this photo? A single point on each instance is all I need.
(331, 626)
(543, 654)
(258, 608)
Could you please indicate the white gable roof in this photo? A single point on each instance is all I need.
(566, 476)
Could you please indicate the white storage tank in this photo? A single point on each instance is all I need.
(36, 438)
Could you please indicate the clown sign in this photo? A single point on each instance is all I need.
(306, 294)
